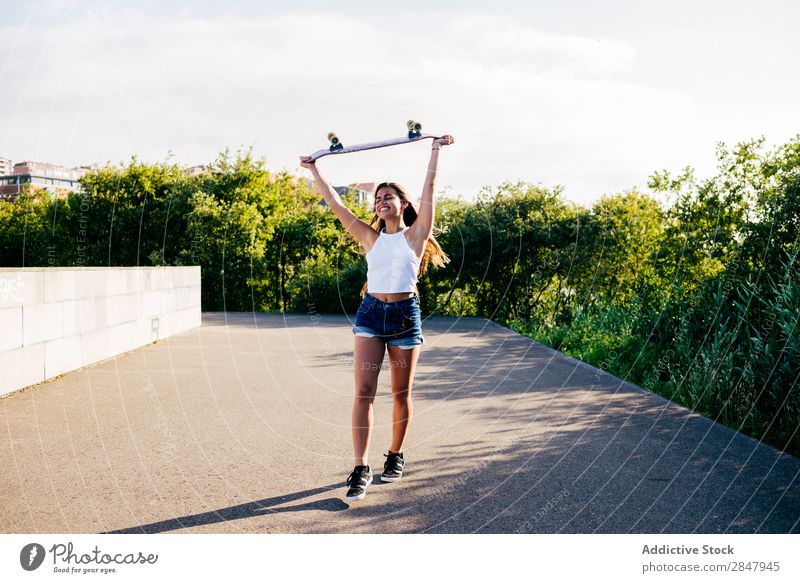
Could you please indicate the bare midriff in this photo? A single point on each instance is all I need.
(392, 297)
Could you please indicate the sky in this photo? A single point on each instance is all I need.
(592, 96)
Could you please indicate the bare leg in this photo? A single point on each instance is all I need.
(403, 363)
(367, 363)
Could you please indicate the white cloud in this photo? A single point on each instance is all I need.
(526, 49)
(522, 103)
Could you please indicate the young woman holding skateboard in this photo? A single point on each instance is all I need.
(399, 245)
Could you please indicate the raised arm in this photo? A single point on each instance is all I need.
(427, 207)
(357, 228)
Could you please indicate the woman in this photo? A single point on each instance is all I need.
(399, 243)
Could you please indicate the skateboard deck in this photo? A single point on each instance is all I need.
(414, 135)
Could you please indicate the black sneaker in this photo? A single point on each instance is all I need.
(358, 480)
(393, 467)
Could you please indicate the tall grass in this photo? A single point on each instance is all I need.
(733, 357)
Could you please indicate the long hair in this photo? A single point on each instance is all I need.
(433, 254)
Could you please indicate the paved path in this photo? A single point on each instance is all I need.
(243, 426)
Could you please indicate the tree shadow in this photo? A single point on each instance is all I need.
(592, 471)
(537, 442)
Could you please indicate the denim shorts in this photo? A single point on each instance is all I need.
(399, 323)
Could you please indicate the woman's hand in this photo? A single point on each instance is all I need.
(445, 140)
(305, 163)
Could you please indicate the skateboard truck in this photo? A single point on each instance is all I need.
(414, 135)
(335, 143)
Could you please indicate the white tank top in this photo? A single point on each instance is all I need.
(391, 264)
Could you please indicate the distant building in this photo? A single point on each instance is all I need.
(195, 170)
(5, 166)
(56, 180)
(362, 190)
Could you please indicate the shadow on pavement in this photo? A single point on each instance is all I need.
(240, 511)
(523, 439)
(508, 437)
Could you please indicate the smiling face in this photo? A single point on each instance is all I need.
(388, 203)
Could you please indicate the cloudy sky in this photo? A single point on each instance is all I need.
(593, 94)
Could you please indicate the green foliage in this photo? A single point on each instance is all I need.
(128, 214)
(708, 316)
(626, 229)
(505, 248)
(697, 298)
(331, 279)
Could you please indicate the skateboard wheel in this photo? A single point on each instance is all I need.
(414, 128)
(335, 143)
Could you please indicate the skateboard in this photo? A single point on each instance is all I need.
(414, 135)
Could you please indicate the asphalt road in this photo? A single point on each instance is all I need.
(243, 426)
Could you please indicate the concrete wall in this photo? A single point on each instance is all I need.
(53, 320)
